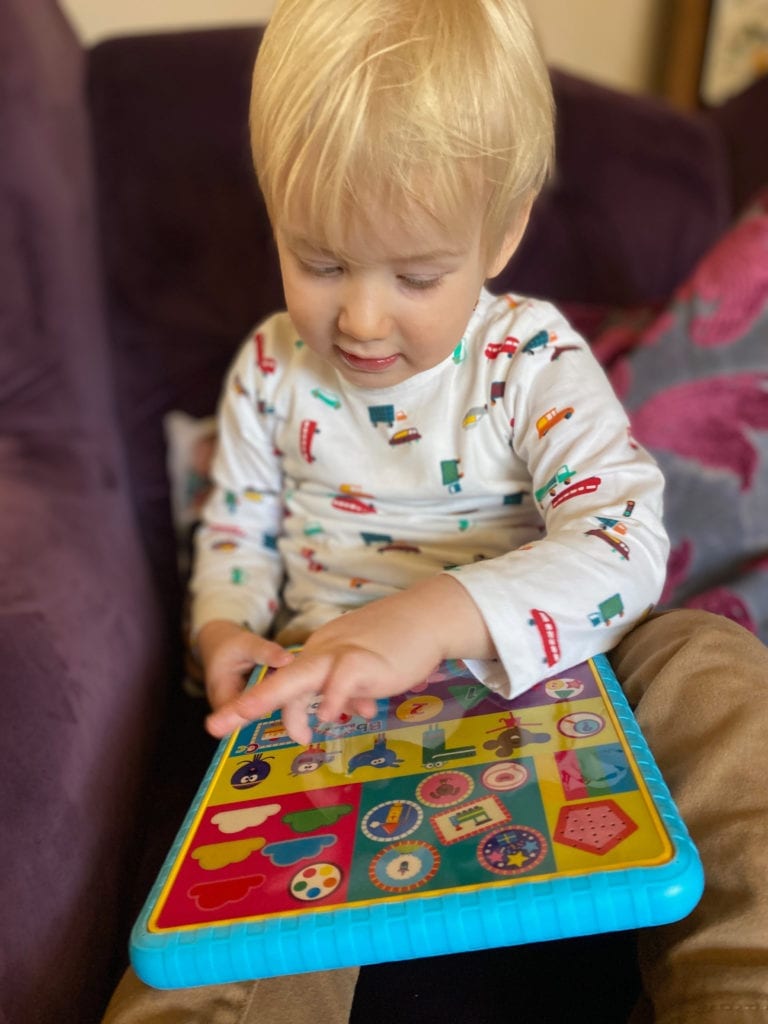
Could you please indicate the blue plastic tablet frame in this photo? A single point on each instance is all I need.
(411, 926)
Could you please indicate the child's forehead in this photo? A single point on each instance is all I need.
(379, 234)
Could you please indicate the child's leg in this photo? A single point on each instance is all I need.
(293, 999)
(699, 686)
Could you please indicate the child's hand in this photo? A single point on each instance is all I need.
(376, 651)
(228, 653)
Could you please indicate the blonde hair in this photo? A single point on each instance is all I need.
(437, 107)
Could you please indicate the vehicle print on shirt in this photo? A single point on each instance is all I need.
(473, 416)
(252, 494)
(588, 486)
(356, 582)
(507, 347)
(498, 387)
(308, 554)
(264, 362)
(327, 397)
(550, 640)
(514, 499)
(557, 350)
(264, 408)
(539, 341)
(307, 432)
(354, 489)
(240, 388)
(460, 353)
(451, 474)
(552, 417)
(370, 539)
(613, 542)
(224, 544)
(400, 545)
(381, 414)
(348, 503)
(404, 436)
(608, 523)
(607, 610)
(564, 475)
(227, 528)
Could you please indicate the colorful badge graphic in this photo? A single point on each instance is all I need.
(512, 850)
(404, 866)
(469, 819)
(393, 819)
(315, 882)
(563, 689)
(444, 789)
(419, 709)
(580, 724)
(505, 775)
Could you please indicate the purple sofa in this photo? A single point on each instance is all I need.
(134, 255)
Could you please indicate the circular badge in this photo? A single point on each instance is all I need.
(404, 866)
(505, 775)
(563, 689)
(512, 850)
(419, 709)
(579, 724)
(444, 789)
(393, 819)
(315, 882)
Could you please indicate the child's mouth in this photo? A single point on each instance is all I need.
(367, 365)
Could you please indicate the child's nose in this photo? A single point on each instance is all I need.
(363, 314)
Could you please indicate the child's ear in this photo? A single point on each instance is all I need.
(511, 240)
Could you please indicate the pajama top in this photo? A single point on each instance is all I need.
(510, 465)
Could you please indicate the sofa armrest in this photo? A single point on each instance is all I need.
(81, 678)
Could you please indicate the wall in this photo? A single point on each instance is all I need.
(97, 19)
(612, 42)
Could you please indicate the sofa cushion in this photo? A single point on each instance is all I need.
(695, 381)
(187, 245)
(640, 191)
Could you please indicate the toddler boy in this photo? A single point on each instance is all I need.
(448, 468)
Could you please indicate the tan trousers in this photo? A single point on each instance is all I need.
(699, 687)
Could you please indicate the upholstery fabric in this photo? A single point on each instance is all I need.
(79, 641)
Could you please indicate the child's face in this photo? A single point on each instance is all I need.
(394, 306)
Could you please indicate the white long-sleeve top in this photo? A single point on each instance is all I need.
(510, 465)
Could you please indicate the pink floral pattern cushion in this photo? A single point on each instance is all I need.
(694, 378)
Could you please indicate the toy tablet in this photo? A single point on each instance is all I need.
(453, 820)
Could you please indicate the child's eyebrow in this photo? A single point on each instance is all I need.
(430, 256)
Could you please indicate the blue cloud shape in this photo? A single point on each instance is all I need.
(291, 851)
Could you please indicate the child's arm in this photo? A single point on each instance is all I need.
(375, 651)
(237, 569)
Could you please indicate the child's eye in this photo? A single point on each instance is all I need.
(320, 269)
(421, 283)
